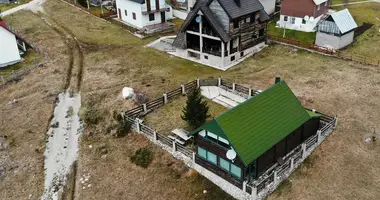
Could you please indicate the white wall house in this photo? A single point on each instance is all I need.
(142, 13)
(9, 51)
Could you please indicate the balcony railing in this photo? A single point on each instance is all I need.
(163, 8)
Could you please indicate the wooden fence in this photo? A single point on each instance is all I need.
(374, 61)
(268, 181)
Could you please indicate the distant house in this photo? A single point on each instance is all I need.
(5, 1)
(243, 142)
(302, 15)
(336, 31)
(143, 13)
(220, 32)
(11, 46)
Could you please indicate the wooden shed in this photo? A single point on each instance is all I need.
(242, 143)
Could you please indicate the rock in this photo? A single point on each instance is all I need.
(204, 191)
(140, 98)
(89, 185)
(55, 125)
(13, 101)
(127, 92)
(90, 146)
(3, 143)
(104, 157)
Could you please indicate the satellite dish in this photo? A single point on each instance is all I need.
(311, 19)
(198, 19)
(306, 18)
(231, 154)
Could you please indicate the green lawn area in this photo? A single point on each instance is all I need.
(343, 1)
(304, 37)
(368, 43)
(4, 7)
(30, 57)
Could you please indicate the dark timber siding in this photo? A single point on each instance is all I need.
(220, 152)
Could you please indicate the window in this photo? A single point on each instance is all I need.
(151, 17)
(125, 12)
(206, 57)
(223, 140)
(212, 135)
(242, 54)
(202, 152)
(224, 164)
(318, 7)
(303, 21)
(286, 18)
(248, 19)
(134, 16)
(232, 58)
(235, 170)
(293, 20)
(236, 24)
(211, 157)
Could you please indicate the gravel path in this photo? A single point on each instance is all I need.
(62, 148)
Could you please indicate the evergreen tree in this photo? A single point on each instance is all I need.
(195, 112)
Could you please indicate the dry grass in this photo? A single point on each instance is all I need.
(168, 117)
(26, 122)
(31, 57)
(343, 167)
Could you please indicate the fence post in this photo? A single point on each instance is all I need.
(193, 157)
(291, 164)
(336, 121)
(249, 92)
(219, 82)
(144, 108)
(275, 177)
(154, 137)
(198, 84)
(245, 186)
(303, 150)
(319, 137)
(137, 120)
(174, 146)
(165, 98)
(183, 89)
(233, 86)
(254, 193)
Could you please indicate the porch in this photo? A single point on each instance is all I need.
(162, 27)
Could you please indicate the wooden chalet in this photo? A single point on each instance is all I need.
(242, 143)
(220, 32)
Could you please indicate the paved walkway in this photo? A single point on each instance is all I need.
(34, 5)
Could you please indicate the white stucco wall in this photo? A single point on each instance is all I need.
(335, 42)
(180, 14)
(269, 6)
(142, 20)
(307, 27)
(9, 53)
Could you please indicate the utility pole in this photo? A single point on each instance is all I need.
(88, 5)
(101, 6)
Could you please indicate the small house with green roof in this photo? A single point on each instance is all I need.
(243, 142)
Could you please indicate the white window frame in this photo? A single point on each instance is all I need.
(223, 141)
(212, 135)
(293, 20)
(202, 133)
(318, 7)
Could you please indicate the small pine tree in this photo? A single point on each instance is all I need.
(195, 112)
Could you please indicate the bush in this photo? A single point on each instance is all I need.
(123, 127)
(91, 115)
(143, 157)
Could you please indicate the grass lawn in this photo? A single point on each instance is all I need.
(168, 117)
(368, 44)
(343, 167)
(4, 7)
(304, 37)
(31, 57)
(343, 1)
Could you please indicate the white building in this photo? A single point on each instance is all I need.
(336, 31)
(269, 6)
(9, 46)
(143, 13)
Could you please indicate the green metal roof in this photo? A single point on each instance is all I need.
(259, 123)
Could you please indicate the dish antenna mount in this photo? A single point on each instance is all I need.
(231, 154)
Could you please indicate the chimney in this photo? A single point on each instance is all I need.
(277, 80)
(237, 3)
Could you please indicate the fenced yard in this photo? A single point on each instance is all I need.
(269, 180)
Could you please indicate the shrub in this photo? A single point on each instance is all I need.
(143, 157)
(91, 115)
(123, 127)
